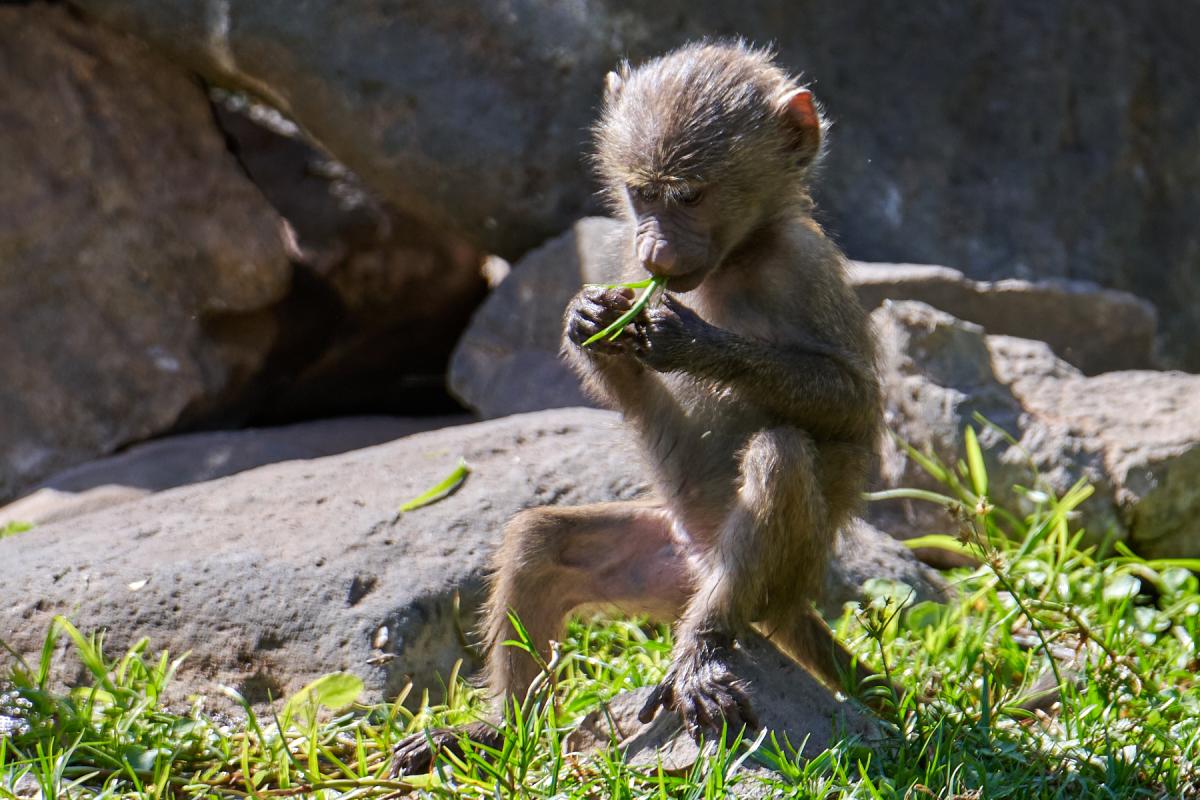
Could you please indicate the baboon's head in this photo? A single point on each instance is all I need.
(701, 147)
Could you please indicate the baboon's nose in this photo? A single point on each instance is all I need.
(657, 255)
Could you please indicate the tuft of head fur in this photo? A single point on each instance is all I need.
(706, 112)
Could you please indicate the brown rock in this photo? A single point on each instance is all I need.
(380, 298)
(136, 262)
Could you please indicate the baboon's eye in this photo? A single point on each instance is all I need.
(645, 193)
(690, 195)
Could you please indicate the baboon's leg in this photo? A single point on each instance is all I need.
(769, 554)
(800, 630)
(554, 561)
(795, 625)
(806, 637)
(773, 547)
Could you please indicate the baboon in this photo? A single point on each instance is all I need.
(751, 385)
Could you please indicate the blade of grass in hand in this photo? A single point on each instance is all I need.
(444, 489)
(614, 330)
(629, 285)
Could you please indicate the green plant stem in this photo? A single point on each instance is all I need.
(614, 330)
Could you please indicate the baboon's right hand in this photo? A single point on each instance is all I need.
(593, 310)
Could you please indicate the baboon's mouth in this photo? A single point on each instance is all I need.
(685, 283)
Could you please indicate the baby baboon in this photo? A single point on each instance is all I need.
(752, 387)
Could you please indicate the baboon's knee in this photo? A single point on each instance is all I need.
(778, 472)
(531, 541)
(777, 455)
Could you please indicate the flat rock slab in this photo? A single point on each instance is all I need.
(1093, 328)
(196, 457)
(280, 574)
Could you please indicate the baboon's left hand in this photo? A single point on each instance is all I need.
(663, 335)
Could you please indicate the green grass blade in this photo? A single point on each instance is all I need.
(335, 690)
(941, 541)
(13, 528)
(614, 330)
(88, 651)
(927, 463)
(642, 284)
(911, 494)
(443, 490)
(975, 468)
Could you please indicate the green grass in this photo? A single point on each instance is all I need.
(13, 528)
(1122, 631)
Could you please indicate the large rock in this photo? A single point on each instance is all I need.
(1035, 140)
(507, 360)
(195, 457)
(1134, 435)
(1097, 330)
(1147, 424)
(277, 575)
(379, 298)
(136, 261)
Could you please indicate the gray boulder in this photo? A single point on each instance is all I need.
(1095, 329)
(1147, 425)
(1134, 435)
(507, 360)
(137, 264)
(277, 575)
(1031, 141)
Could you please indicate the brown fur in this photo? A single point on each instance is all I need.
(753, 391)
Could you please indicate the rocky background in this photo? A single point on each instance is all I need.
(241, 232)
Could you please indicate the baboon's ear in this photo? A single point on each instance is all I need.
(799, 110)
(613, 83)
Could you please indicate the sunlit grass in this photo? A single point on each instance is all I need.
(1114, 637)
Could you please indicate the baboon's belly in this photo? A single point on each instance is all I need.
(696, 462)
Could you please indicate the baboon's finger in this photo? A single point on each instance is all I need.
(660, 697)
